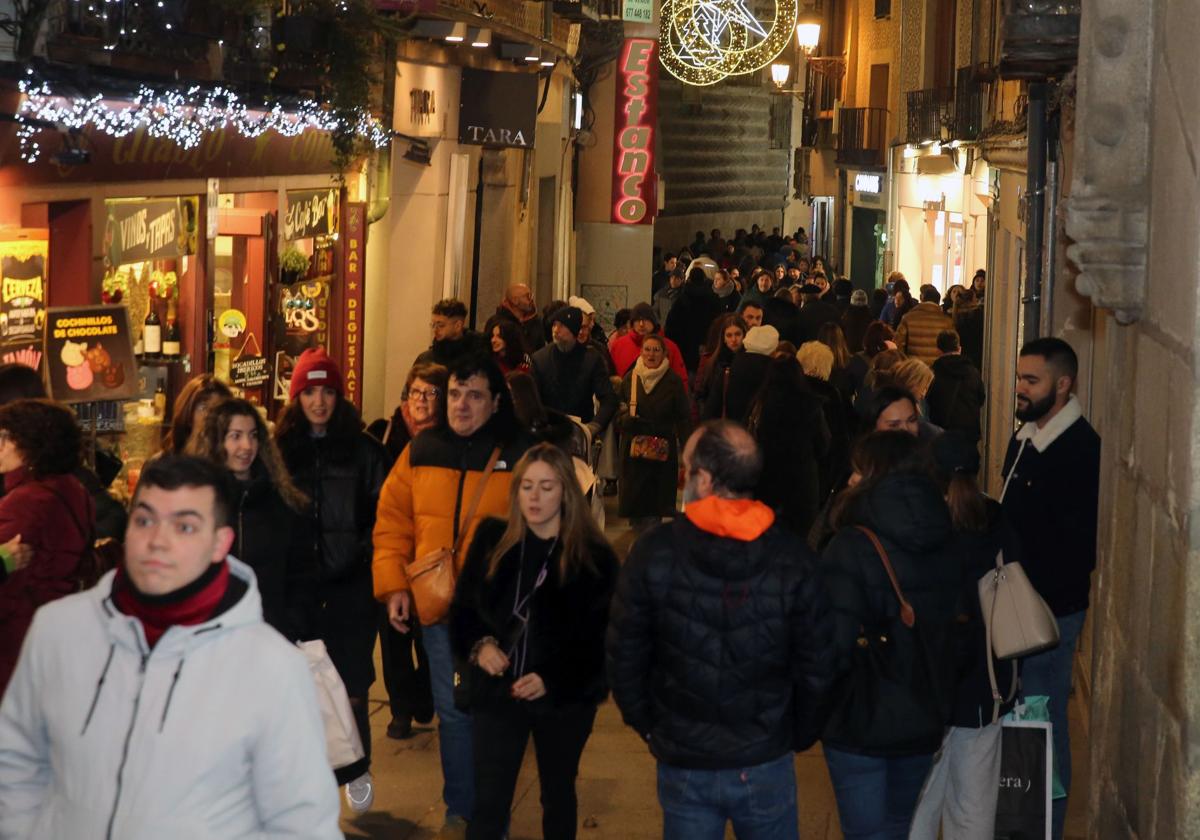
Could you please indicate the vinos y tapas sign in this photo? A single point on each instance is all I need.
(634, 181)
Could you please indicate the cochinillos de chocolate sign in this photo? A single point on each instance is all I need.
(497, 109)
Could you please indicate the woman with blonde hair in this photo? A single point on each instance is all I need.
(914, 376)
(529, 615)
(270, 515)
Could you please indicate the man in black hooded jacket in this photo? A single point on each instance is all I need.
(720, 647)
(572, 377)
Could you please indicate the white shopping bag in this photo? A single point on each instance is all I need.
(342, 742)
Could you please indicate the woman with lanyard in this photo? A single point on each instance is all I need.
(529, 615)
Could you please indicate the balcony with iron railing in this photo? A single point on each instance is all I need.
(823, 89)
(862, 136)
(970, 104)
(930, 115)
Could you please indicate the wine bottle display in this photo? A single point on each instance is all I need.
(171, 344)
(152, 335)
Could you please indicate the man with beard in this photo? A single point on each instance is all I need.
(452, 341)
(570, 373)
(519, 308)
(720, 648)
(1051, 493)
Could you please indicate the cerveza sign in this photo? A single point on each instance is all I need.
(310, 213)
(497, 109)
(150, 229)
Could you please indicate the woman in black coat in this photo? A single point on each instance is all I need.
(270, 519)
(341, 468)
(959, 796)
(877, 777)
(653, 424)
(529, 615)
(789, 424)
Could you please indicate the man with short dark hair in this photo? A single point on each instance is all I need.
(919, 328)
(422, 511)
(720, 648)
(105, 733)
(663, 275)
(752, 313)
(451, 338)
(955, 399)
(1051, 495)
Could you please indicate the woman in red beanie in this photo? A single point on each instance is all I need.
(341, 468)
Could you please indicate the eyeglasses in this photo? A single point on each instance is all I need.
(424, 396)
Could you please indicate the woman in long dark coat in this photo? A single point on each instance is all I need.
(653, 425)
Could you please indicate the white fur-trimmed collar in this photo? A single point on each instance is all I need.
(1043, 437)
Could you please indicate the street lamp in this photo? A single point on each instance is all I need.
(780, 72)
(808, 31)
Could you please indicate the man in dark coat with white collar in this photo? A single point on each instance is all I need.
(1051, 494)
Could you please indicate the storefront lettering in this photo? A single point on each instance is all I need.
(310, 214)
(633, 155)
(14, 289)
(496, 136)
(355, 249)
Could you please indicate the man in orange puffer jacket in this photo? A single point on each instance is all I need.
(423, 508)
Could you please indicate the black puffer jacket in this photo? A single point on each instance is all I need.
(712, 639)
(955, 398)
(343, 479)
(277, 542)
(908, 514)
(567, 619)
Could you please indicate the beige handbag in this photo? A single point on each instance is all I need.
(1018, 621)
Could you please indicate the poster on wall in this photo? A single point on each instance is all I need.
(89, 355)
(608, 300)
(23, 289)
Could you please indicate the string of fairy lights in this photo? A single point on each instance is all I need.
(182, 116)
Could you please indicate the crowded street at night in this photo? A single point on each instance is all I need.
(610, 419)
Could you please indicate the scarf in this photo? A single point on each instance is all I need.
(650, 378)
(193, 604)
(413, 427)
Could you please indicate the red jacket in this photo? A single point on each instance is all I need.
(37, 509)
(626, 349)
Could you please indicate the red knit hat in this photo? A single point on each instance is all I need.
(314, 367)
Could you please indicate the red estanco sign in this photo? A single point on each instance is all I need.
(634, 192)
(355, 232)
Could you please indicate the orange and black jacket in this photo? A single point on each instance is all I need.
(427, 494)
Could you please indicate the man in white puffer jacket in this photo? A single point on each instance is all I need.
(159, 704)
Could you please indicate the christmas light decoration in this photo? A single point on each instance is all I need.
(704, 41)
(182, 116)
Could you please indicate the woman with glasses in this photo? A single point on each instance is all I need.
(341, 468)
(409, 693)
(529, 615)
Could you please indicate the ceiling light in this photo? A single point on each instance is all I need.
(482, 39)
(532, 55)
(547, 59)
(457, 34)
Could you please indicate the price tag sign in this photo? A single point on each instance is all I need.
(249, 371)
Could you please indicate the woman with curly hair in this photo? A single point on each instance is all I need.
(44, 508)
(191, 404)
(508, 347)
(269, 511)
(341, 468)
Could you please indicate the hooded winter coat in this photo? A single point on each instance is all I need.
(568, 382)
(52, 516)
(215, 732)
(691, 316)
(719, 649)
(919, 328)
(908, 514)
(956, 397)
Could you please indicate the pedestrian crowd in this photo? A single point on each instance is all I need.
(797, 459)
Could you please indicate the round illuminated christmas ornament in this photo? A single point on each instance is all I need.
(704, 41)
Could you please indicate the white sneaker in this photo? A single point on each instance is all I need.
(360, 794)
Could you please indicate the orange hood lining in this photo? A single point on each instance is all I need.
(738, 519)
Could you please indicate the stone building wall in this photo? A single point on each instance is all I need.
(1145, 712)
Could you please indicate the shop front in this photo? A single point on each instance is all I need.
(867, 195)
(941, 225)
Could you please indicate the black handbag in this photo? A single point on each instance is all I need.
(899, 692)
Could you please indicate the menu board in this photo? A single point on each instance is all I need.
(89, 356)
(23, 298)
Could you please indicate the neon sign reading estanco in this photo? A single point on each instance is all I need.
(634, 181)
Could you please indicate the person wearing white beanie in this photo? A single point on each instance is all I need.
(762, 340)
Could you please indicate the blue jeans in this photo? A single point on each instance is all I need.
(1049, 673)
(876, 797)
(759, 800)
(454, 726)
